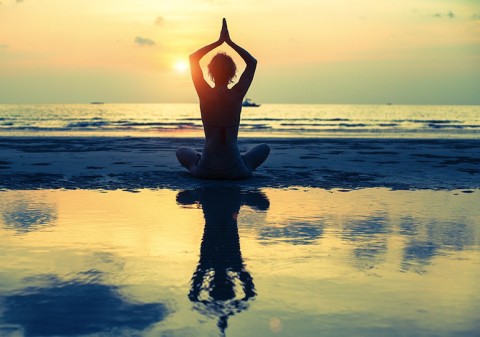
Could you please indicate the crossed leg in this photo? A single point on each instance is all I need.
(187, 157)
(255, 156)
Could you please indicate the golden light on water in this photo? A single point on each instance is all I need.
(376, 254)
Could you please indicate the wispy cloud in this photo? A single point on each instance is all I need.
(160, 20)
(142, 41)
(448, 14)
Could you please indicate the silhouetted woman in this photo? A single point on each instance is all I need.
(220, 108)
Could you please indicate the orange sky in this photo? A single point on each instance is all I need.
(309, 51)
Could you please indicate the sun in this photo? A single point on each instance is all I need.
(180, 66)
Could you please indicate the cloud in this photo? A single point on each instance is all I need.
(160, 20)
(23, 216)
(142, 41)
(448, 14)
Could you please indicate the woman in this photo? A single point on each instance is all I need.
(220, 108)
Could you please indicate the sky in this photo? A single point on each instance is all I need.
(308, 51)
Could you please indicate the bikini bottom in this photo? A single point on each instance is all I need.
(239, 170)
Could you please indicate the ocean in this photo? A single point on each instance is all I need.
(268, 120)
(365, 222)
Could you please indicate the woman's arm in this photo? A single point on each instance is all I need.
(247, 76)
(197, 75)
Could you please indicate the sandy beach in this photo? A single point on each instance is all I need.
(133, 163)
(365, 237)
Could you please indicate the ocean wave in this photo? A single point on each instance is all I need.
(323, 124)
(426, 121)
(157, 124)
(268, 119)
(88, 124)
(444, 121)
(452, 126)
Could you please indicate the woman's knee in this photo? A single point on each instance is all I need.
(260, 151)
(257, 155)
(264, 148)
(186, 156)
(181, 152)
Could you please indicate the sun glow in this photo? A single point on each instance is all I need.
(180, 66)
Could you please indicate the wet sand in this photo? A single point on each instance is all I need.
(133, 163)
(330, 237)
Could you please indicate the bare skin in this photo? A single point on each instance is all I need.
(220, 108)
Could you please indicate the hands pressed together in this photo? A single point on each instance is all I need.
(224, 34)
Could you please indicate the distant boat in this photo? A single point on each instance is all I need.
(248, 103)
(97, 103)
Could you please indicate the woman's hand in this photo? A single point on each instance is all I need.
(224, 34)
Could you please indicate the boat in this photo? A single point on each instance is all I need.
(97, 103)
(249, 103)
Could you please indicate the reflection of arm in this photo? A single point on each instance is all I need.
(247, 285)
(197, 75)
(197, 281)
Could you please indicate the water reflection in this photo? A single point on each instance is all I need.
(369, 237)
(78, 306)
(427, 240)
(24, 215)
(296, 233)
(221, 286)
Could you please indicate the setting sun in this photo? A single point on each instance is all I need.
(180, 66)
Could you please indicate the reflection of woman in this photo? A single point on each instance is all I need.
(220, 108)
(221, 266)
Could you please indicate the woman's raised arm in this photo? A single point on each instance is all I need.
(197, 75)
(247, 77)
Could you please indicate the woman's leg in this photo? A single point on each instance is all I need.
(256, 156)
(187, 157)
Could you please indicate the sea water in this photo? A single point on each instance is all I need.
(268, 120)
(235, 262)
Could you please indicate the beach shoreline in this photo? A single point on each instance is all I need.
(331, 163)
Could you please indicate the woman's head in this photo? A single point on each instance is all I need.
(222, 69)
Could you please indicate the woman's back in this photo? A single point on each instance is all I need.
(220, 108)
(221, 118)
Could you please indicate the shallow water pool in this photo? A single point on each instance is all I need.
(212, 262)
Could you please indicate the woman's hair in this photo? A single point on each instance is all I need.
(222, 68)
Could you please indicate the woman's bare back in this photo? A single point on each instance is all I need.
(220, 113)
(220, 108)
